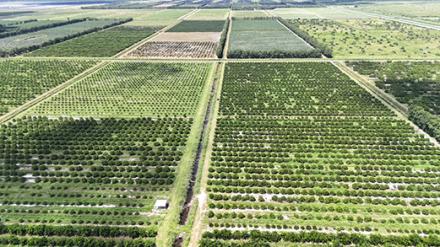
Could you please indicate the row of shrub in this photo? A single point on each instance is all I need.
(223, 38)
(73, 242)
(258, 238)
(37, 28)
(315, 53)
(425, 120)
(84, 231)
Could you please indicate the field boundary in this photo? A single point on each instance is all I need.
(196, 232)
(26, 106)
(170, 227)
(228, 36)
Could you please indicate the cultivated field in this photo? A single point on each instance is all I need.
(95, 176)
(248, 13)
(181, 49)
(265, 38)
(22, 80)
(105, 43)
(31, 41)
(210, 14)
(219, 123)
(302, 154)
(198, 26)
(187, 39)
(132, 89)
(373, 38)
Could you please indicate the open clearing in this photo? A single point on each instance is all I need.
(373, 38)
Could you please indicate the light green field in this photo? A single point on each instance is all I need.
(248, 13)
(141, 17)
(317, 13)
(374, 38)
(263, 36)
(210, 14)
(409, 10)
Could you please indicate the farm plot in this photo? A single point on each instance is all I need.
(87, 182)
(361, 176)
(199, 26)
(105, 43)
(132, 89)
(31, 41)
(180, 45)
(261, 38)
(373, 38)
(416, 84)
(10, 28)
(23, 80)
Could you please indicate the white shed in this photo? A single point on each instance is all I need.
(160, 204)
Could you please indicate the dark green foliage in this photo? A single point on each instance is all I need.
(344, 239)
(198, 26)
(274, 54)
(429, 122)
(223, 38)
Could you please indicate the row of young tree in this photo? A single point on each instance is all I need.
(84, 231)
(258, 238)
(36, 27)
(18, 51)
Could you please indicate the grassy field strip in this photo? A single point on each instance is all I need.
(123, 53)
(398, 19)
(199, 163)
(196, 234)
(169, 228)
(386, 99)
(228, 36)
(21, 109)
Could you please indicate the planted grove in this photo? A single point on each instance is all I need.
(313, 158)
(104, 43)
(23, 80)
(132, 89)
(93, 175)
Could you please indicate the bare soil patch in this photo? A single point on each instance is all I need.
(176, 50)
